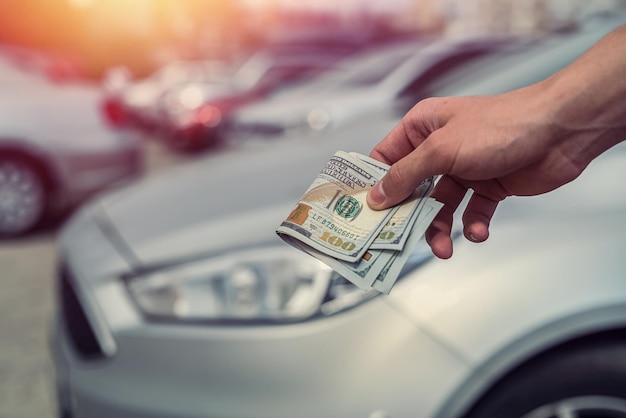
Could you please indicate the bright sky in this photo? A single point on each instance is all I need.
(82, 3)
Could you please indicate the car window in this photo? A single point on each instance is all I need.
(288, 75)
(372, 71)
(516, 68)
(439, 69)
(368, 69)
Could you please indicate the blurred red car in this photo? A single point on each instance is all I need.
(190, 115)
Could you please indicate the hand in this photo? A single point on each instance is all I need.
(525, 142)
(497, 146)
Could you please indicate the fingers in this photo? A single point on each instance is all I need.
(409, 149)
(406, 175)
(477, 217)
(398, 143)
(438, 235)
(394, 147)
(399, 183)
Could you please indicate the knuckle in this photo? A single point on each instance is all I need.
(397, 184)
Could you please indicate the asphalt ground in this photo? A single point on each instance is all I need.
(27, 267)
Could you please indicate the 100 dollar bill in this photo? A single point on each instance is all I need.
(333, 222)
(388, 275)
(333, 216)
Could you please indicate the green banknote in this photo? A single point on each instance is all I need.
(333, 216)
(333, 222)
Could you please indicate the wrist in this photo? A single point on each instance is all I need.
(588, 98)
(586, 117)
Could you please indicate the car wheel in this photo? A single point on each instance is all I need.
(586, 381)
(22, 196)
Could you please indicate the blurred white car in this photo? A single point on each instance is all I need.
(387, 77)
(56, 149)
(177, 299)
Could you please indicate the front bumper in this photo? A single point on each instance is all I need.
(112, 362)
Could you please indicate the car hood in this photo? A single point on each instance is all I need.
(225, 201)
(237, 199)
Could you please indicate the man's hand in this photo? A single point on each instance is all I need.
(495, 146)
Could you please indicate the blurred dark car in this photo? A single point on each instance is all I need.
(198, 309)
(56, 148)
(190, 115)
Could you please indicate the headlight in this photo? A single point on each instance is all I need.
(318, 119)
(181, 105)
(261, 285)
(209, 115)
(313, 123)
(191, 97)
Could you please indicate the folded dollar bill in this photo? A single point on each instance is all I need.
(333, 222)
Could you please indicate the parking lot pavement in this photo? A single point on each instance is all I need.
(26, 281)
(27, 268)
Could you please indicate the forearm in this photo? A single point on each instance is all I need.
(587, 100)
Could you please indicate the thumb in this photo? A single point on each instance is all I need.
(400, 181)
(411, 147)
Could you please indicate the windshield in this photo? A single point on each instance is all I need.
(371, 71)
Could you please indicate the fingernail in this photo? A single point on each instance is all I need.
(377, 194)
(473, 237)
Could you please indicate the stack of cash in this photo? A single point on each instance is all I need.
(333, 222)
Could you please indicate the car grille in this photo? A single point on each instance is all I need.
(75, 320)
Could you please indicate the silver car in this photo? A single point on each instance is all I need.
(176, 298)
(56, 147)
